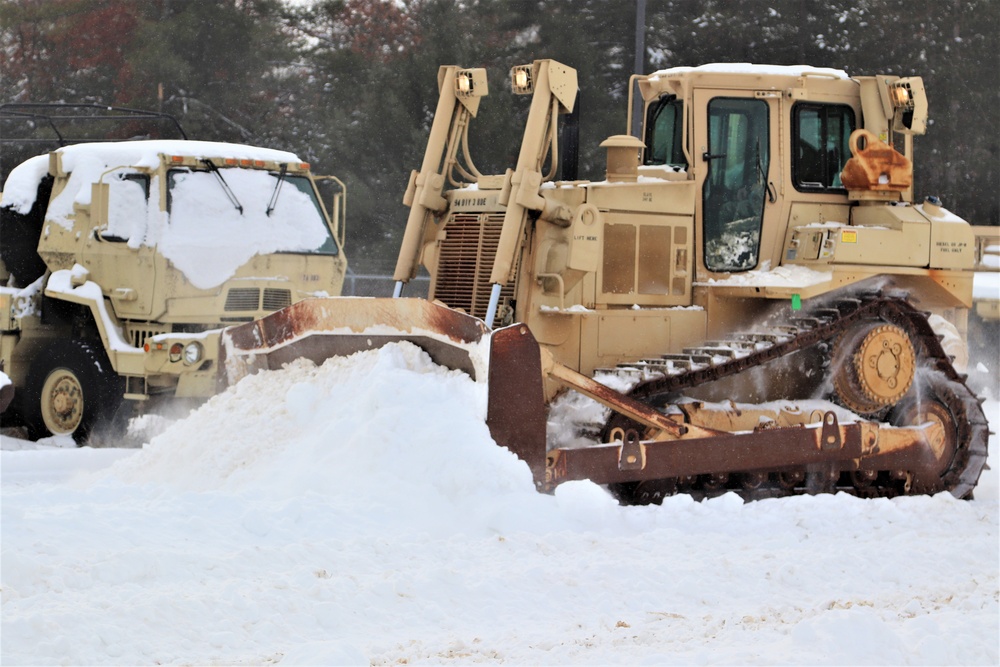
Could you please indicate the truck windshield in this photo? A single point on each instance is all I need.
(294, 222)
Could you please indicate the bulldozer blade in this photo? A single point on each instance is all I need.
(515, 413)
(858, 445)
(516, 418)
(318, 329)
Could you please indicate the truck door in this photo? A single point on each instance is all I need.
(733, 152)
(116, 252)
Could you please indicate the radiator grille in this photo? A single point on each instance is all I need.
(138, 332)
(276, 299)
(243, 298)
(465, 260)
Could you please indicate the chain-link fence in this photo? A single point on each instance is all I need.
(381, 284)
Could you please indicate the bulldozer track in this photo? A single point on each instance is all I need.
(658, 382)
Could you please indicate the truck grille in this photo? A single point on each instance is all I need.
(276, 299)
(248, 298)
(243, 298)
(465, 260)
(138, 332)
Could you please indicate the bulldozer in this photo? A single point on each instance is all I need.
(751, 300)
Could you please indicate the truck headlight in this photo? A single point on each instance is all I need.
(193, 352)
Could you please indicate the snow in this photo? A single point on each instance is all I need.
(24, 300)
(208, 254)
(74, 282)
(205, 236)
(359, 513)
(88, 161)
(986, 286)
(782, 276)
(748, 68)
(21, 188)
(575, 308)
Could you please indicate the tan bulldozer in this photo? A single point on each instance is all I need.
(751, 295)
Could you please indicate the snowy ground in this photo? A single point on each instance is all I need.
(358, 513)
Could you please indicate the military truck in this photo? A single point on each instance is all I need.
(753, 292)
(122, 262)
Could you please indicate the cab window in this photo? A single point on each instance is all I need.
(664, 128)
(821, 135)
(128, 197)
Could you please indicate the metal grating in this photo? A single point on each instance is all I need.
(465, 260)
(138, 333)
(243, 298)
(276, 299)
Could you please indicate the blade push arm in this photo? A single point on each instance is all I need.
(458, 101)
(553, 87)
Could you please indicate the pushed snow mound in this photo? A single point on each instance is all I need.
(386, 424)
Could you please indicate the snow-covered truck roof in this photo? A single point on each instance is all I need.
(21, 187)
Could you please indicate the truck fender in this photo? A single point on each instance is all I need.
(73, 286)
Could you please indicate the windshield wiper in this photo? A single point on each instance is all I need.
(277, 189)
(225, 186)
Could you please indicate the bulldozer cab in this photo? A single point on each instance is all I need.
(769, 148)
(755, 148)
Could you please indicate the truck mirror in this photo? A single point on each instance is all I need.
(338, 206)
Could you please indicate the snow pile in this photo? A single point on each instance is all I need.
(330, 430)
(358, 513)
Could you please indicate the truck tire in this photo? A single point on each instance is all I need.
(71, 389)
(20, 233)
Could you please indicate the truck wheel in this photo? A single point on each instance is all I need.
(71, 390)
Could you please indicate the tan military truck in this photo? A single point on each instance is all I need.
(123, 261)
(752, 291)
